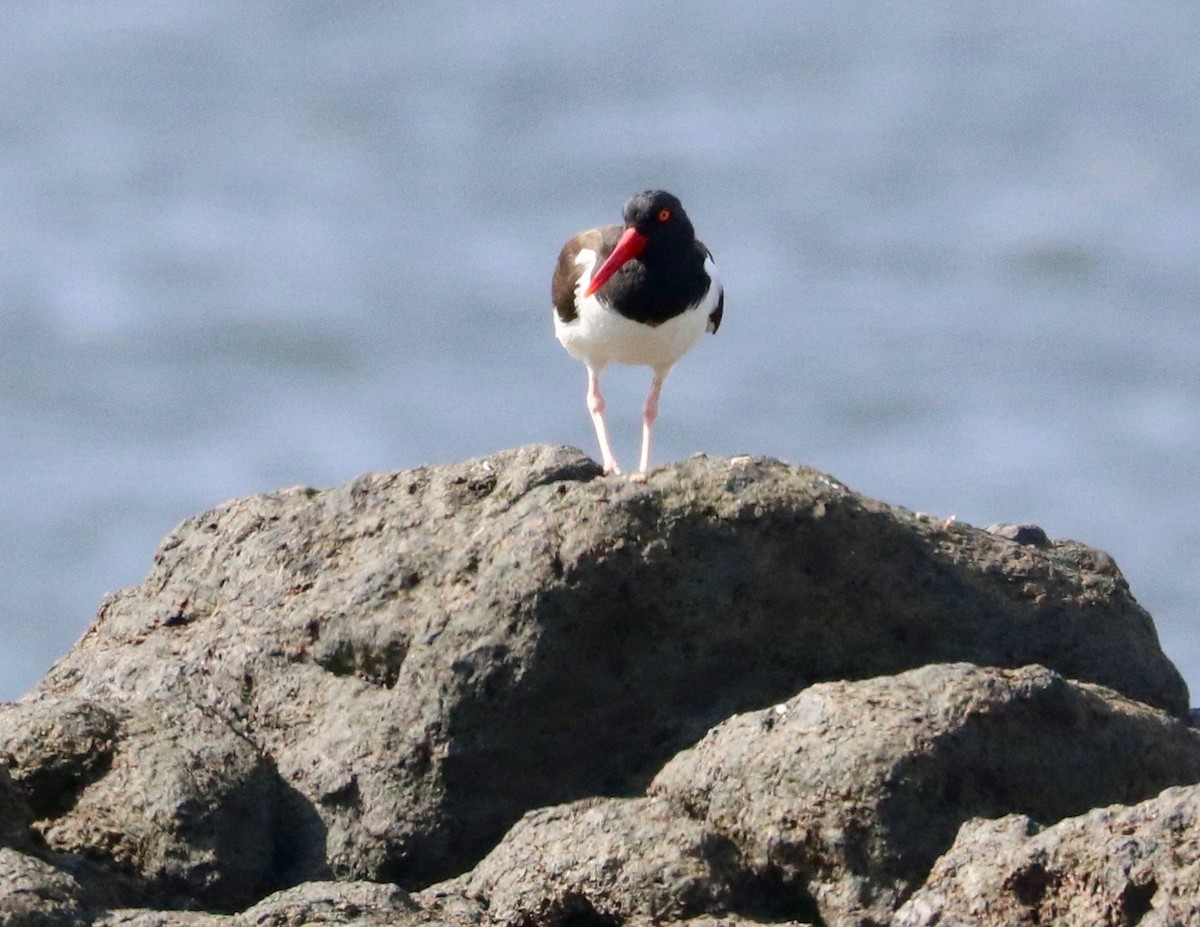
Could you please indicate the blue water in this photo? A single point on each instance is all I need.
(248, 245)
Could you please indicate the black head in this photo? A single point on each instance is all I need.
(659, 235)
(658, 215)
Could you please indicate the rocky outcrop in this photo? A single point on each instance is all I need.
(378, 681)
(830, 807)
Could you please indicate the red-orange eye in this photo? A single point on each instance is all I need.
(664, 214)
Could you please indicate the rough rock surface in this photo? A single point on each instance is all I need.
(310, 904)
(608, 860)
(35, 892)
(171, 797)
(851, 790)
(1112, 867)
(363, 904)
(378, 680)
(830, 807)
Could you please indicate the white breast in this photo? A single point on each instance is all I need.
(599, 335)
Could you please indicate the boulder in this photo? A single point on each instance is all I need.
(601, 861)
(849, 791)
(171, 798)
(378, 680)
(336, 904)
(33, 893)
(1118, 866)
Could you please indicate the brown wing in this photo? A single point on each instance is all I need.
(567, 273)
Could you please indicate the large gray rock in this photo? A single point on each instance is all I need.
(376, 681)
(828, 808)
(1116, 866)
(849, 791)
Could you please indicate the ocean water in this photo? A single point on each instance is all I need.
(249, 245)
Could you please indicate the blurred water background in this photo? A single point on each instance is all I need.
(247, 245)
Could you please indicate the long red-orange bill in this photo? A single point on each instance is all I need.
(631, 244)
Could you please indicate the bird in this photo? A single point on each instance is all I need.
(641, 293)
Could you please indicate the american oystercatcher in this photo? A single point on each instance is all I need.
(642, 293)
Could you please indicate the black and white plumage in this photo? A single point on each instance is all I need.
(642, 293)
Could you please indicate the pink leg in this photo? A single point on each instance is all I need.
(649, 414)
(595, 404)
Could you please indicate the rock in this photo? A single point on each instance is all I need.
(1022, 534)
(174, 799)
(376, 681)
(56, 748)
(849, 791)
(1116, 866)
(133, 917)
(603, 861)
(311, 904)
(828, 808)
(34, 893)
(361, 904)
